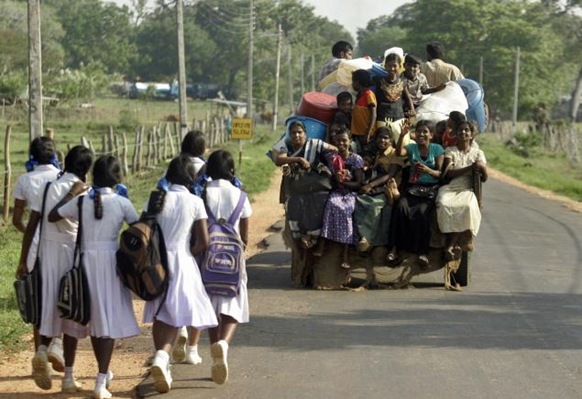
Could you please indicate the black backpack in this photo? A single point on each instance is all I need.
(142, 260)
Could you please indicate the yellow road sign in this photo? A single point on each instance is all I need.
(242, 129)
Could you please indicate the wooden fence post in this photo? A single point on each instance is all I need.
(7, 175)
(103, 144)
(134, 156)
(150, 148)
(84, 142)
(165, 143)
(140, 147)
(110, 142)
(157, 144)
(172, 147)
(124, 165)
(116, 151)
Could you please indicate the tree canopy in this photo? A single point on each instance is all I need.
(98, 37)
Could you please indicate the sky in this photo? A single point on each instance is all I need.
(353, 14)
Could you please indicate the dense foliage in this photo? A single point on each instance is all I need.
(137, 42)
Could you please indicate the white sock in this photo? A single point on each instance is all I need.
(57, 341)
(163, 355)
(193, 348)
(69, 373)
(100, 380)
(42, 348)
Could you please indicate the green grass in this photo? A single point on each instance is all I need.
(255, 173)
(548, 171)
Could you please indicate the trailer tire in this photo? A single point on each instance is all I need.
(463, 275)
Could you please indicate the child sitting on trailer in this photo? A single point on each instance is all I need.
(373, 208)
(348, 174)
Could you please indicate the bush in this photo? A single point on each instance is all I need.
(13, 85)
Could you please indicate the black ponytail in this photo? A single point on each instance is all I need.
(98, 205)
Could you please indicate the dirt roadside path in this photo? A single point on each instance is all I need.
(128, 362)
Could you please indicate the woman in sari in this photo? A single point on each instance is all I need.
(411, 219)
(304, 201)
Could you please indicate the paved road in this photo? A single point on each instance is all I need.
(515, 332)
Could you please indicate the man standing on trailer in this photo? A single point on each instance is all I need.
(341, 50)
(435, 69)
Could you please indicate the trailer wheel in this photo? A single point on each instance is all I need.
(463, 275)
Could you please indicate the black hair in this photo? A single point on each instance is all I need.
(220, 165)
(441, 126)
(181, 171)
(363, 77)
(340, 119)
(457, 117)
(435, 50)
(383, 131)
(194, 143)
(106, 173)
(78, 161)
(344, 130)
(412, 60)
(343, 96)
(341, 46)
(297, 123)
(393, 57)
(42, 149)
(430, 125)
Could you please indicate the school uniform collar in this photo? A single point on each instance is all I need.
(69, 177)
(105, 190)
(46, 167)
(178, 188)
(219, 183)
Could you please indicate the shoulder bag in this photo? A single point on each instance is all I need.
(74, 301)
(28, 288)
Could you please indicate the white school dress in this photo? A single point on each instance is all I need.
(56, 254)
(186, 303)
(221, 198)
(112, 313)
(29, 187)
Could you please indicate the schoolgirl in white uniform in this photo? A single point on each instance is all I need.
(221, 197)
(42, 167)
(182, 219)
(104, 211)
(56, 252)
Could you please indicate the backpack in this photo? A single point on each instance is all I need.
(142, 260)
(221, 266)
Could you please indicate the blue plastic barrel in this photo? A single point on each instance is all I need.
(476, 100)
(315, 129)
(378, 71)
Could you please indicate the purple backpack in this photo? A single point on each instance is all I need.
(222, 261)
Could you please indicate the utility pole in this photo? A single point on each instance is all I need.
(250, 66)
(312, 72)
(249, 79)
(35, 110)
(277, 77)
(302, 73)
(181, 68)
(481, 70)
(515, 91)
(290, 79)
